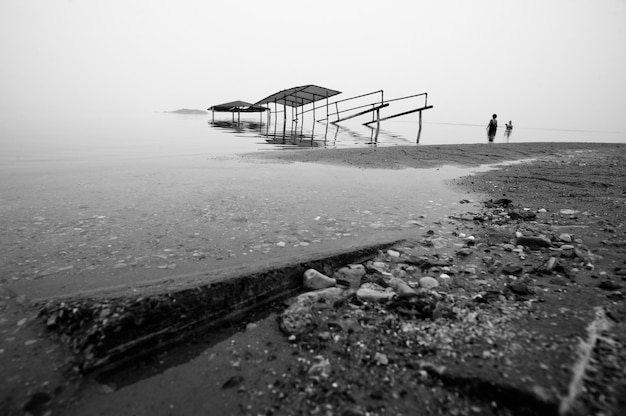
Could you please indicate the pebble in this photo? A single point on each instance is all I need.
(428, 282)
(373, 295)
(314, 280)
(401, 287)
(351, 274)
(565, 238)
(534, 242)
(381, 359)
(320, 368)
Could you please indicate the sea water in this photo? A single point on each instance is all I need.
(90, 136)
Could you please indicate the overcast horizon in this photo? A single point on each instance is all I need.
(544, 64)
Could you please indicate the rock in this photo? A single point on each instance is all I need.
(534, 242)
(320, 368)
(568, 211)
(502, 202)
(565, 238)
(373, 295)
(350, 275)
(298, 318)
(609, 285)
(428, 282)
(464, 252)
(381, 359)
(520, 287)
(522, 215)
(512, 269)
(314, 280)
(400, 287)
(548, 266)
(324, 336)
(379, 266)
(422, 306)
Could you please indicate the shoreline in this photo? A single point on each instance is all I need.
(429, 156)
(552, 182)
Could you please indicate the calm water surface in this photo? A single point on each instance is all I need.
(89, 136)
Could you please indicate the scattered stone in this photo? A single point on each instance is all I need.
(565, 238)
(428, 282)
(522, 215)
(320, 368)
(520, 287)
(314, 280)
(508, 247)
(381, 359)
(400, 286)
(548, 267)
(609, 285)
(350, 275)
(534, 242)
(512, 269)
(298, 318)
(374, 295)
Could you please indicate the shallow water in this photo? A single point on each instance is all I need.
(58, 136)
(77, 226)
(101, 200)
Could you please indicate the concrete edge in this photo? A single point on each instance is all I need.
(105, 329)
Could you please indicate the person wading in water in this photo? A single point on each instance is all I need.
(492, 127)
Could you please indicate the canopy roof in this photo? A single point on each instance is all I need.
(238, 106)
(299, 96)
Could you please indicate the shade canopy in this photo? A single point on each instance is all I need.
(238, 107)
(299, 96)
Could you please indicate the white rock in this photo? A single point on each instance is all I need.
(372, 295)
(428, 282)
(400, 286)
(565, 237)
(314, 280)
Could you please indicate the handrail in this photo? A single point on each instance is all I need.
(337, 112)
(411, 96)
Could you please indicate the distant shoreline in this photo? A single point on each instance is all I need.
(186, 111)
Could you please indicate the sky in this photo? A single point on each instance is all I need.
(542, 63)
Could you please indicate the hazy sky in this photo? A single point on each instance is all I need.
(542, 63)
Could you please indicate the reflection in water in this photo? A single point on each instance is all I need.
(328, 136)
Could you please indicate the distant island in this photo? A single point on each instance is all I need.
(186, 111)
